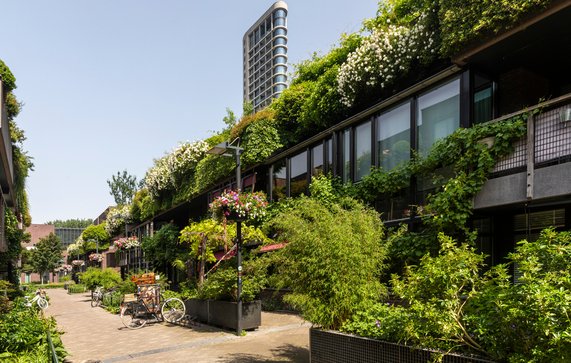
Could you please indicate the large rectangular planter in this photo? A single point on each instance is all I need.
(223, 313)
(328, 346)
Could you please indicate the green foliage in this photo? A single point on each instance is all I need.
(8, 79)
(465, 22)
(76, 289)
(162, 248)
(449, 303)
(71, 223)
(47, 254)
(333, 259)
(434, 293)
(122, 187)
(312, 102)
(260, 141)
(143, 206)
(216, 235)
(14, 238)
(23, 335)
(221, 284)
(94, 276)
(528, 321)
(94, 233)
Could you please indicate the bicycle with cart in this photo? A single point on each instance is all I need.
(148, 305)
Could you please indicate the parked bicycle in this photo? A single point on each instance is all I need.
(149, 306)
(96, 296)
(39, 299)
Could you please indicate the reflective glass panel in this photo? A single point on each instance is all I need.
(279, 180)
(329, 155)
(298, 174)
(393, 137)
(347, 155)
(279, 22)
(362, 150)
(317, 160)
(438, 115)
(483, 105)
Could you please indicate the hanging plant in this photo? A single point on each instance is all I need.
(238, 205)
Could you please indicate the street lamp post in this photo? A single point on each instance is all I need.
(222, 149)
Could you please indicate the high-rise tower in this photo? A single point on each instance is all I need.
(265, 57)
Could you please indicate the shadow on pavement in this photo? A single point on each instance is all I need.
(284, 353)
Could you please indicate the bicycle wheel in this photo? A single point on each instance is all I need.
(130, 319)
(42, 303)
(173, 310)
(96, 299)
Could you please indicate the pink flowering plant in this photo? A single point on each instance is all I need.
(126, 243)
(232, 205)
(96, 257)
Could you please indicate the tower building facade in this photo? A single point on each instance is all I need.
(265, 57)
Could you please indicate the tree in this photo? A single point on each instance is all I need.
(123, 187)
(71, 223)
(230, 118)
(47, 254)
(95, 235)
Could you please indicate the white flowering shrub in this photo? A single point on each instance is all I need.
(116, 219)
(170, 170)
(384, 56)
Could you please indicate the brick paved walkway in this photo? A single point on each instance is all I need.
(94, 335)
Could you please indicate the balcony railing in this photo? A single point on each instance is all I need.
(548, 140)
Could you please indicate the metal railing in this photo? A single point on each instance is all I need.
(52, 355)
(548, 139)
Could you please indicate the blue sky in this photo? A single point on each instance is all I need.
(110, 85)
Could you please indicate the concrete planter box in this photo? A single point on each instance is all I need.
(327, 346)
(223, 313)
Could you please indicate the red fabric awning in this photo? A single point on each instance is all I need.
(272, 247)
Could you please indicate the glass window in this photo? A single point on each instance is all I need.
(483, 105)
(279, 22)
(347, 155)
(298, 174)
(280, 78)
(280, 60)
(280, 41)
(393, 137)
(438, 115)
(362, 150)
(279, 180)
(280, 69)
(280, 31)
(280, 13)
(329, 155)
(279, 50)
(317, 160)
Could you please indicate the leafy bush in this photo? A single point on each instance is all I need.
(76, 289)
(448, 303)
(23, 335)
(94, 277)
(528, 321)
(162, 248)
(221, 284)
(435, 293)
(333, 259)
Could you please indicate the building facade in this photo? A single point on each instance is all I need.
(519, 72)
(265, 57)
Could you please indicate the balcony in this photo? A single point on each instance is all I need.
(539, 169)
